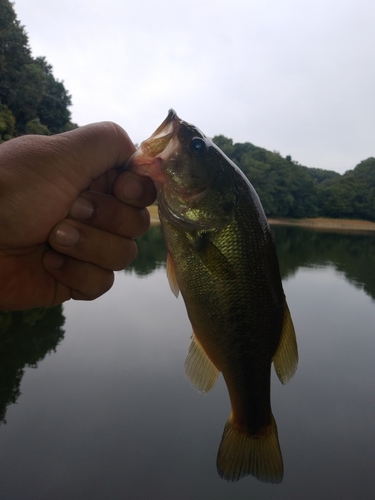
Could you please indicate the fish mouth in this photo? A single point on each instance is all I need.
(161, 145)
(161, 141)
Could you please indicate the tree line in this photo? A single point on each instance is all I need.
(33, 101)
(288, 189)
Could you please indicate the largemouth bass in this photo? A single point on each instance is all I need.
(222, 258)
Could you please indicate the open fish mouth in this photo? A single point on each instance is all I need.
(162, 145)
(163, 141)
(166, 129)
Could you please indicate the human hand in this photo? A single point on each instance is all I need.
(67, 217)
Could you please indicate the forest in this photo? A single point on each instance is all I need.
(288, 189)
(33, 101)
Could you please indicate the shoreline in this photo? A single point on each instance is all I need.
(326, 223)
(314, 223)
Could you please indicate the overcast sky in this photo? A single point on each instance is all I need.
(287, 75)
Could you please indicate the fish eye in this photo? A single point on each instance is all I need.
(197, 145)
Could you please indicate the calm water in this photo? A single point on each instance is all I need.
(108, 413)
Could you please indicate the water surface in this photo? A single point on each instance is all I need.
(110, 415)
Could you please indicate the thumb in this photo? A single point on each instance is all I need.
(91, 150)
(41, 176)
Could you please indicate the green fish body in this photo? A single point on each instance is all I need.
(222, 258)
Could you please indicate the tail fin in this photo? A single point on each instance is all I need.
(241, 454)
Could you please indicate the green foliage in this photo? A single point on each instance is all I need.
(53, 107)
(353, 194)
(287, 189)
(38, 102)
(14, 52)
(321, 176)
(7, 123)
(35, 127)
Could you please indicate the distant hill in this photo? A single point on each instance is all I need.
(288, 189)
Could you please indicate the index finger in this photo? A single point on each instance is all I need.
(92, 151)
(134, 189)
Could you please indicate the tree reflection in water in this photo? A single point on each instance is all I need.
(27, 336)
(351, 253)
(25, 339)
(152, 252)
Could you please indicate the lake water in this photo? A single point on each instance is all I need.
(110, 415)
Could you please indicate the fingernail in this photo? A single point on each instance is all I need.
(132, 189)
(53, 260)
(81, 209)
(66, 235)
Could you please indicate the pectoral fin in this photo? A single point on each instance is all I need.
(171, 275)
(212, 258)
(200, 371)
(285, 359)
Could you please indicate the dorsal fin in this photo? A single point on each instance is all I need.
(200, 371)
(285, 359)
(171, 275)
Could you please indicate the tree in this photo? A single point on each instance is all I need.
(53, 107)
(288, 189)
(28, 88)
(14, 52)
(353, 195)
(284, 188)
(7, 123)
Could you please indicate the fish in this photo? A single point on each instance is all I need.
(222, 258)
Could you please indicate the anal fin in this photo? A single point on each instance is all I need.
(200, 371)
(285, 359)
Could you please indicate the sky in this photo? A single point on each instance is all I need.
(289, 76)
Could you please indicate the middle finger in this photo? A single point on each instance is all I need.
(90, 244)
